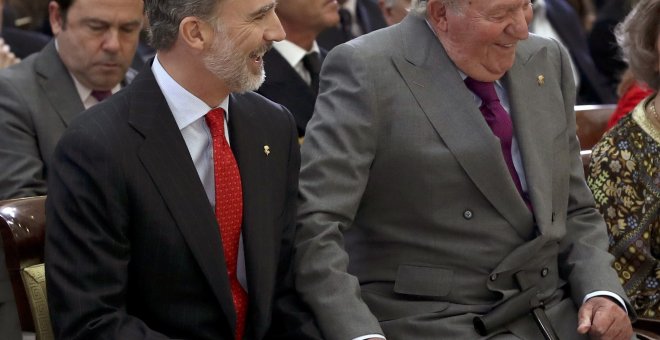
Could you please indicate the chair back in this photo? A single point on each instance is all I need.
(591, 123)
(23, 231)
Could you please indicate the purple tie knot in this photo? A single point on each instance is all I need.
(484, 90)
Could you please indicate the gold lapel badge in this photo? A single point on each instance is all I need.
(540, 80)
(267, 150)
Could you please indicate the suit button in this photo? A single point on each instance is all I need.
(467, 214)
(544, 272)
(493, 277)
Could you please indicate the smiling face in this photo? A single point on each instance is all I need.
(97, 39)
(244, 32)
(480, 36)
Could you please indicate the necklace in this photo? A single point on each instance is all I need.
(653, 112)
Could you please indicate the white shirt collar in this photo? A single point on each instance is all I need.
(186, 107)
(293, 53)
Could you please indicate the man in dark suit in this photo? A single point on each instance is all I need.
(171, 205)
(293, 65)
(441, 182)
(357, 17)
(89, 57)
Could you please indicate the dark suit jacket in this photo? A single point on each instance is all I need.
(285, 86)
(594, 87)
(369, 17)
(132, 244)
(22, 42)
(602, 43)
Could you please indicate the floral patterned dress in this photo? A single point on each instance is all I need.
(624, 177)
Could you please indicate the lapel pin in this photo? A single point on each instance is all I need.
(540, 80)
(267, 150)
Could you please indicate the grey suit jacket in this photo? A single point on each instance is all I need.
(38, 99)
(401, 174)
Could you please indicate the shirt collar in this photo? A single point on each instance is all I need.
(293, 53)
(186, 107)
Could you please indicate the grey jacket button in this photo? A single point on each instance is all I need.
(493, 277)
(467, 214)
(544, 272)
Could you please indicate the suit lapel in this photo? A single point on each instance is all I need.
(261, 243)
(166, 158)
(461, 127)
(57, 85)
(535, 144)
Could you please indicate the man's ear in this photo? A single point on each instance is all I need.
(436, 13)
(55, 18)
(196, 33)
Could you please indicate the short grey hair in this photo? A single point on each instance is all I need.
(419, 6)
(637, 36)
(166, 15)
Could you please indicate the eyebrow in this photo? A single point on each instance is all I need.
(107, 23)
(263, 10)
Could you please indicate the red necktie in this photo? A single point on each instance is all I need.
(228, 209)
(499, 122)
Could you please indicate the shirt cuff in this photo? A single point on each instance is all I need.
(369, 336)
(606, 293)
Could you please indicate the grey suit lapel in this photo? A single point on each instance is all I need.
(459, 124)
(165, 156)
(57, 85)
(528, 115)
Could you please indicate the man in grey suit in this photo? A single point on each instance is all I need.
(442, 194)
(95, 41)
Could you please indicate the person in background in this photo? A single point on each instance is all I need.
(602, 42)
(171, 205)
(7, 57)
(356, 17)
(86, 62)
(558, 20)
(624, 172)
(441, 182)
(294, 64)
(394, 10)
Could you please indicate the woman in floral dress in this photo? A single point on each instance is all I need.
(625, 168)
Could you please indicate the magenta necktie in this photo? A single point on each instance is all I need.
(499, 122)
(228, 209)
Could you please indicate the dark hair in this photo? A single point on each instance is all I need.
(64, 8)
(638, 35)
(166, 15)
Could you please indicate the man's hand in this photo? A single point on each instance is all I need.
(604, 319)
(7, 58)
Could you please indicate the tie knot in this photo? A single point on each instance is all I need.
(484, 90)
(312, 63)
(216, 120)
(101, 95)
